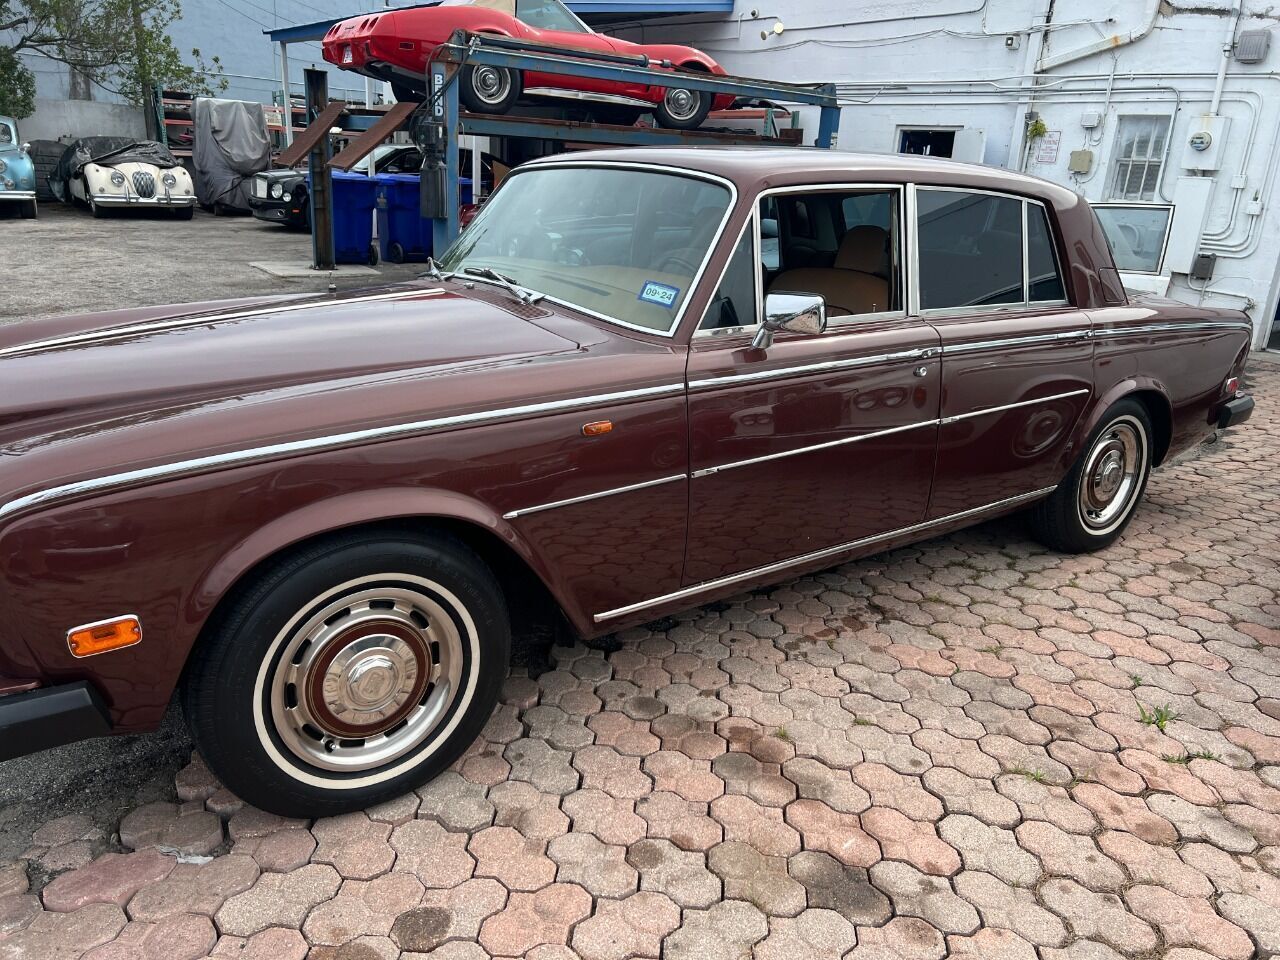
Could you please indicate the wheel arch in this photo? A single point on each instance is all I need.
(532, 600)
(1154, 399)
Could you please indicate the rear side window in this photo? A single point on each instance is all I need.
(971, 250)
(1043, 275)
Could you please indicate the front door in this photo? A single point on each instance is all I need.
(1017, 360)
(816, 441)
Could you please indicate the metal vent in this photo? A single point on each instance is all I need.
(1252, 46)
(500, 298)
(144, 184)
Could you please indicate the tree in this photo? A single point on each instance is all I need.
(121, 45)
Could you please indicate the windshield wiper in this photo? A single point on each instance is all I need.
(523, 294)
(434, 271)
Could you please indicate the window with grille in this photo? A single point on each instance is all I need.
(1136, 167)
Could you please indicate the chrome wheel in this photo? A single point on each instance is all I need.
(682, 105)
(491, 85)
(1112, 475)
(366, 674)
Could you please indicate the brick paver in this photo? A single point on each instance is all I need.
(949, 750)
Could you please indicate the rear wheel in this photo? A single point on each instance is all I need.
(350, 673)
(487, 89)
(682, 109)
(1097, 499)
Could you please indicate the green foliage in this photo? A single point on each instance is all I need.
(17, 86)
(1036, 128)
(1159, 717)
(121, 46)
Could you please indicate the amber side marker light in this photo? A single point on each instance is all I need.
(104, 636)
(597, 428)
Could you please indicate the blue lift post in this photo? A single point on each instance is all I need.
(438, 126)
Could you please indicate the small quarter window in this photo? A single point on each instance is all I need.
(1043, 276)
(734, 303)
(1138, 234)
(970, 249)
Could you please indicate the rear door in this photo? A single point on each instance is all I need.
(1017, 359)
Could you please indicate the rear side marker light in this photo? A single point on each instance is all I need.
(1231, 387)
(104, 636)
(597, 428)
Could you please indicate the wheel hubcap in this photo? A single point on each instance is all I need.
(1112, 475)
(367, 676)
(682, 104)
(491, 83)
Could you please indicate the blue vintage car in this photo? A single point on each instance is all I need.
(17, 172)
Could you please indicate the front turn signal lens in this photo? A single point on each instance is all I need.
(104, 636)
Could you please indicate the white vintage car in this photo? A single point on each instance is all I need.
(105, 174)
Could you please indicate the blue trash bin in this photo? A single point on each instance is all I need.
(403, 234)
(354, 195)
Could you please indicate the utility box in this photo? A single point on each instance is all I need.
(1081, 161)
(1190, 210)
(1206, 143)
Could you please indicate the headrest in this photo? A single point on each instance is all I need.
(865, 249)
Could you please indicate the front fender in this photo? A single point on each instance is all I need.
(353, 510)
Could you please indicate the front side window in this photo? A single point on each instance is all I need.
(1135, 171)
(6, 133)
(839, 244)
(970, 249)
(549, 15)
(626, 244)
(1137, 233)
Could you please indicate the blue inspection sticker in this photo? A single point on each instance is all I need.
(659, 293)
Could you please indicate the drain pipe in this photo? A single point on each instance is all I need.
(1107, 43)
(1228, 46)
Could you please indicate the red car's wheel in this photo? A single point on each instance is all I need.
(683, 109)
(487, 89)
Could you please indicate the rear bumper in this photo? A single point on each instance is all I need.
(1236, 410)
(50, 717)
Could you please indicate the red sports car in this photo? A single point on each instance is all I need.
(396, 46)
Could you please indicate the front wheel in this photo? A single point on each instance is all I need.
(350, 673)
(1097, 499)
(29, 210)
(487, 89)
(183, 213)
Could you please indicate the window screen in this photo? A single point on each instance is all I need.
(970, 249)
(734, 303)
(1042, 263)
(1139, 157)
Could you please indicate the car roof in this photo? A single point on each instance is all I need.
(753, 169)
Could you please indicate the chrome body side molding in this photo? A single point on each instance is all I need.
(1013, 406)
(707, 471)
(523, 511)
(783, 565)
(180, 468)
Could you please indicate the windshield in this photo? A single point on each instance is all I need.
(8, 139)
(626, 244)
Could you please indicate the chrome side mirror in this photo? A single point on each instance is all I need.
(25, 148)
(796, 312)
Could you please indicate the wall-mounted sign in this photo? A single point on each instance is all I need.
(1047, 149)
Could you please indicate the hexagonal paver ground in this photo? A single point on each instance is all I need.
(968, 748)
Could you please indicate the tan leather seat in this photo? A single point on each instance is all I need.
(856, 283)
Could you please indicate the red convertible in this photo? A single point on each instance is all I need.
(641, 380)
(397, 45)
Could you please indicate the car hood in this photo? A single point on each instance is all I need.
(120, 391)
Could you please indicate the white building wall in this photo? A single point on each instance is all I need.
(983, 65)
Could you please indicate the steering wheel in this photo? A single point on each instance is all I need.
(679, 262)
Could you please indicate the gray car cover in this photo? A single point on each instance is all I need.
(231, 145)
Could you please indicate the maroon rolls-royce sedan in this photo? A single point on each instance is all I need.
(640, 380)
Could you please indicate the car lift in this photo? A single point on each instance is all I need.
(438, 122)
